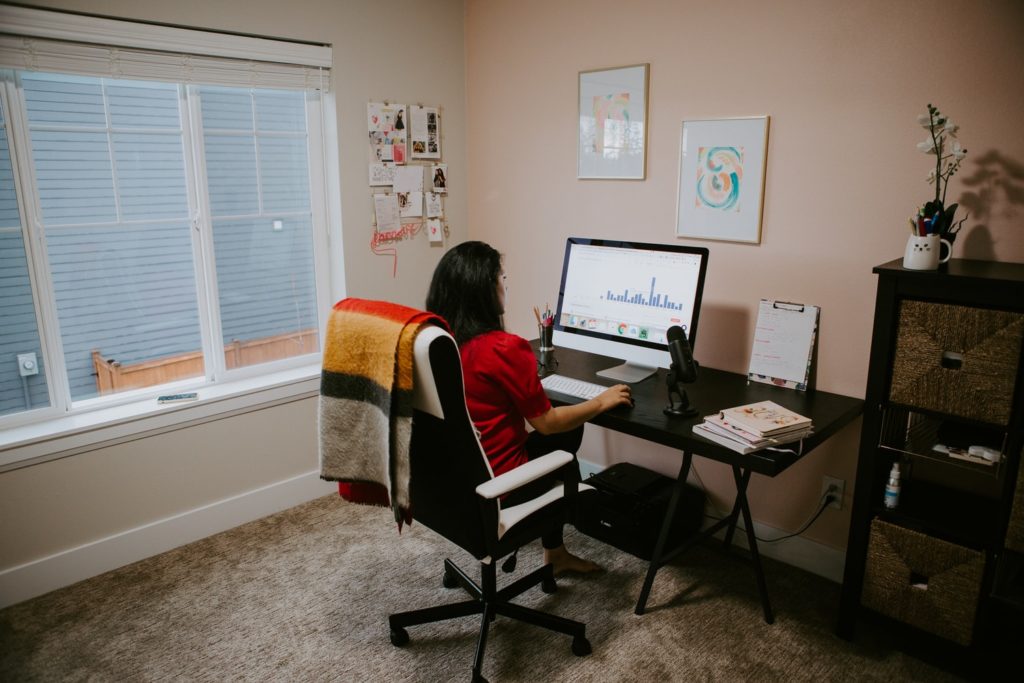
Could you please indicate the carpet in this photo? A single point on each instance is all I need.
(303, 595)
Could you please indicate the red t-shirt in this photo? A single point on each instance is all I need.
(502, 391)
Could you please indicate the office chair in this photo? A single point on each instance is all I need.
(454, 493)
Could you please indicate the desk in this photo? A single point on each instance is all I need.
(713, 390)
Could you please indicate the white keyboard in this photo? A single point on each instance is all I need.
(572, 387)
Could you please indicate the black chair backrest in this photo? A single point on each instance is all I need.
(446, 460)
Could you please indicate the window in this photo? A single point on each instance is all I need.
(155, 234)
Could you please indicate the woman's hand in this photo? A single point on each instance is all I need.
(564, 418)
(613, 397)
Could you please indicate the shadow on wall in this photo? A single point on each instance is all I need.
(724, 334)
(996, 188)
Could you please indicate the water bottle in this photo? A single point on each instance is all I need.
(892, 488)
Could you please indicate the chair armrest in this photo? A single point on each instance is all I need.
(524, 474)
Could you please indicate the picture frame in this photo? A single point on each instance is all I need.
(612, 133)
(722, 167)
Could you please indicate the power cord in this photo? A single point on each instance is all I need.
(827, 499)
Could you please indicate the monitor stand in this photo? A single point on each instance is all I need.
(628, 372)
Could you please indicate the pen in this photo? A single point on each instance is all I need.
(536, 314)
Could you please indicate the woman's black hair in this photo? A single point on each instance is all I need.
(464, 290)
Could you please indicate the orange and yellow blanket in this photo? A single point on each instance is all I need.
(365, 414)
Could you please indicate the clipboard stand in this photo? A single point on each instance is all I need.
(785, 349)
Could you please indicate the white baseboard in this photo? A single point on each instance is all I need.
(803, 553)
(75, 564)
(798, 551)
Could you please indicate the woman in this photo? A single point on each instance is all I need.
(500, 373)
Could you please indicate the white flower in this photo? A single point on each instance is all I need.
(924, 120)
(928, 146)
(950, 128)
(957, 150)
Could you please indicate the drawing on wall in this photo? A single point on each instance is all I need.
(434, 231)
(722, 166)
(408, 178)
(387, 131)
(425, 139)
(386, 208)
(381, 174)
(434, 206)
(613, 123)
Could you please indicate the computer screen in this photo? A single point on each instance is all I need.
(619, 298)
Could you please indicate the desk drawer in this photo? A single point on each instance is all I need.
(957, 360)
(928, 583)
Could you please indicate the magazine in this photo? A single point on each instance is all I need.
(765, 418)
(741, 446)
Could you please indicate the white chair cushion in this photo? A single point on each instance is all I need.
(509, 517)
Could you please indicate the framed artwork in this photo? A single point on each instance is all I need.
(721, 179)
(613, 123)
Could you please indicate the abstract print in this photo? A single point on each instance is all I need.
(719, 173)
(614, 109)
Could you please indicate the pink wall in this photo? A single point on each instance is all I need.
(842, 83)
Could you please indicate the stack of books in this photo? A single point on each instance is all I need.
(755, 426)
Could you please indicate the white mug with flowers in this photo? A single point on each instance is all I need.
(934, 217)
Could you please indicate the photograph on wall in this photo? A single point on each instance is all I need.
(722, 166)
(424, 137)
(439, 177)
(410, 204)
(612, 138)
(388, 131)
(434, 205)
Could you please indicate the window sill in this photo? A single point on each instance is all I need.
(64, 436)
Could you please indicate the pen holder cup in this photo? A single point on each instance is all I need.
(546, 363)
(923, 252)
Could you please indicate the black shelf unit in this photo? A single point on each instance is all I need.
(970, 508)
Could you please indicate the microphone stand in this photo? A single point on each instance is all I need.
(684, 409)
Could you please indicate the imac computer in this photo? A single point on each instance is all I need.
(618, 298)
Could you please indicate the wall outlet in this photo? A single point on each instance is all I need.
(840, 488)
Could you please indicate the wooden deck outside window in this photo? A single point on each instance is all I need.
(113, 376)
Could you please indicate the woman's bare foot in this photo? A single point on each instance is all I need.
(563, 562)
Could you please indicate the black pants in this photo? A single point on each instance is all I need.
(538, 444)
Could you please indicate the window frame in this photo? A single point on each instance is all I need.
(68, 426)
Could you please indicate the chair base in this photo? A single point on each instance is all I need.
(489, 602)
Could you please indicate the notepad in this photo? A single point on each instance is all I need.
(783, 343)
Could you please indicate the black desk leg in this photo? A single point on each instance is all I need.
(666, 523)
(734, 516)
(742, 479)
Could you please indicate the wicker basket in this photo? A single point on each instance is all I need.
(957, 360)
(923, 581)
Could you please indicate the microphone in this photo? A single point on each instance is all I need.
(683, 371)
(683, 365)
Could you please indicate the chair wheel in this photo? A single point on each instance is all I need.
(581, 646)
(548, 585)
(399, 637)
(449, 580)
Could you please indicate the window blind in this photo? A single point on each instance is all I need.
(41, 40)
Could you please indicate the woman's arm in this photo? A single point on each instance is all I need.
(564, 418)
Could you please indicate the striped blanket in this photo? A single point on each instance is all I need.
(365, 415)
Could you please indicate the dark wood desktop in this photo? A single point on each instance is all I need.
(713, 391)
